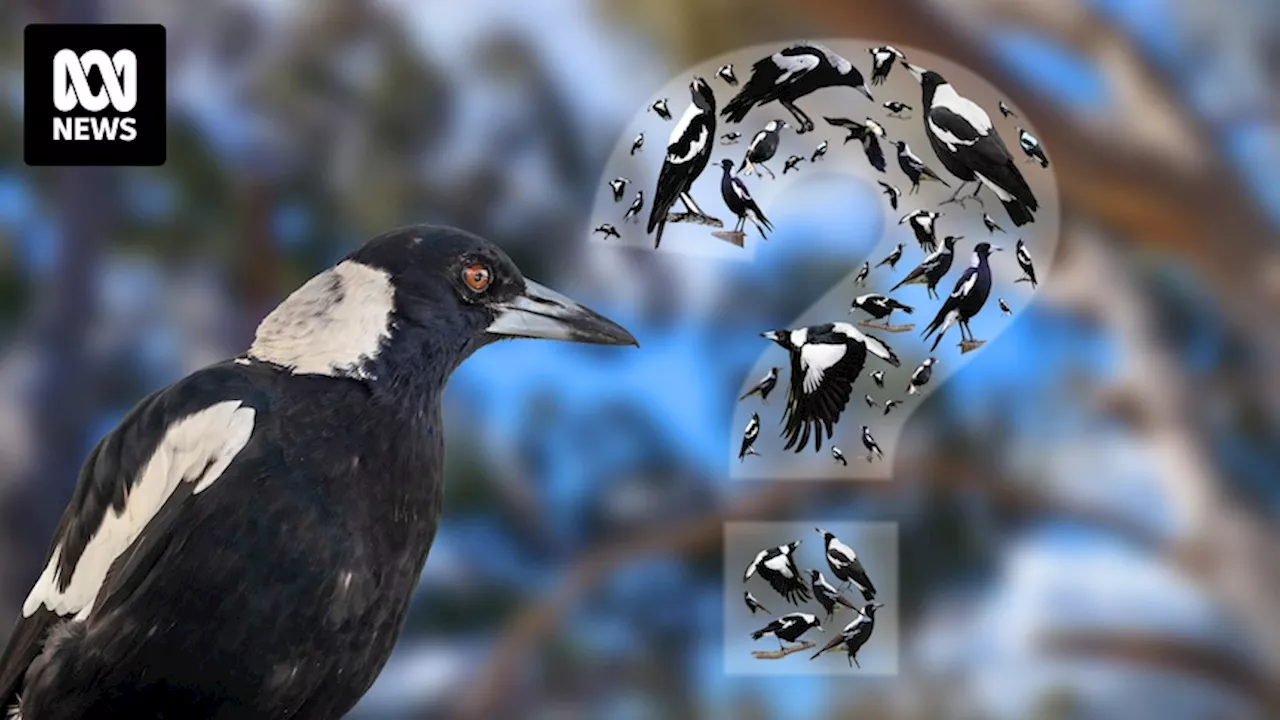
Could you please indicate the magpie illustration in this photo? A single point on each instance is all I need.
(868, 133)
(915, 169)
(890, 405)
(739, 201)
(855, 634)
(882, 62)
(1024, 262)
(869, 443)
(788, 628)
(863, 272)
(898, 109)
(992, 226)
(791, 164)
(660, 108)
(969, 146)
(1004, 307)
(790, 74)
(920, 377)
(618, 186)
(730, 138)
(968, 297)
(892, 258)
(878, 378)
(845, 565)
(777, 565)
(637, 144)
(878, 306)
(1031, 146)
(247, 541)
(637, 205)
(688, 150)
(1005, 111)
(924, 224)
(891, 192)
(870, 401)
(826, 595)
(725, 73)
(825, 362)
(749, 437)
(607, 230)
(935, 267)
(838, 456)
(763, 146)
(764, 387)
(752, 603)
(819, 152)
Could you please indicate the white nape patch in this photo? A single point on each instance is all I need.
(198, 447)
(793, 65)
(695, 147)
(841, 65)
(947, 97)
(331, 325)
(682, 127)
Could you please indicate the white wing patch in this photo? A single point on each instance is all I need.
(951, 140)
(197, 448)
(779, 564)
(695, 147)
(946, 96)
(966, 287)
(793, 65)
(751, 569)
(841, 65)
(816, 360)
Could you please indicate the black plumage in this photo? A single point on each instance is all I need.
(826, 595)
(892, 258)
(777, 565)
(618, 186)
(924, 225)
(749, 436)
(1024, 262)
(915, 169)
(966, 300)
(869, 442)
(819, 152)
(659, 107)
(788, 628)
(764, 387)
(739, 201)
(891, 192)
(896, 109)
(726, 74)
(247, 541)
(790, 74)
(752, 603)
(992, 225)
(855, 634)
(920, 376)
(838, 456)
(863, 272)
(845, 565)
(1031, 146)
(868, 133)
(607, 230)
(882, 59)
(637, 143)
(879, 306)
(825, 362)
(1005, 111)
(791, 164)
(688, 150)
(637, 205)
(870, 401)
(878, 378)
(762, 148)
(935, 267)
(1004, 307)
(730, 138)
(890, 405)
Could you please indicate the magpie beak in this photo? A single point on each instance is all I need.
(916, 71)
(866, 91)
(540, 312)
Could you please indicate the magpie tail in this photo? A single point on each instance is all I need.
(737, 108)
(757, 635)
(1019, 213)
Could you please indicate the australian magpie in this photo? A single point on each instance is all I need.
(1005, 111)
(891, 192)
(855, 634)
(826, 595)
(915, 169)
(688, 150)
(921, 376)
(868, 133)
(752, 603)
(1024, 262)
(838, 456)
(992, 225)
(845, 565)
(607, 230)
(863, 272)
(924, 224)
(819, 152)
(763, 146)
(897, 109)
(969, 146)
(890, 404)
(730, 138)
(869, 442)
(878, 378)
(764, 387)
(660, 108)
(935, 267)
(870, 401)
(637, 205)
(788, 628)
(882, 62)
(777, 565)
(968, 297)
(790, 74)
(791, 164)
(825, 361)
(725, 73)
(1031, 146)
(892, 258)
(1004, 307)
(739, 201)
(637, 144)
(618, 186)
(879, 307)
(749, 436)
(246, 542)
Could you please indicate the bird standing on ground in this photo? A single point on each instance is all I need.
(246, 543)
(845, 565)
(791, 164)
(880, 307)
(826, 595)
(882, 62)
(618, 186)
(992, 226)
(633, 212)
(1004, 307)
(764, 387)
(762, 148)
(915, 169)
(838, 456)
(1005, 111)
(1024, 262)
(688, 150)
(825, 361)
(749, 437)
(869, 443)
(660, 108)
(935, 267)
(863, 272)
(725, 73)
(868, 134)
(607, 230)
(790, 74)
(892, 258)
(966, 300)
(820, 152)
(739, 201)
(924, 225)
(777, 565)
(789, 628)
(969, 146)
(920, 377)
(637, 144)
(752, 603)
(855, 634)
(896, 109)
(1031, 146)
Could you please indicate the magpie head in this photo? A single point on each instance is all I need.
(702, 96)
(951, 240)
(929, 362)
(928, 79)
(814, 574)
(864, 429)
(782, 337)
(727, 164)
(778, 125)
(870, 609)
(983, 249)
(901, 145)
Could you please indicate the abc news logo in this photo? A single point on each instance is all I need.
(94, 95)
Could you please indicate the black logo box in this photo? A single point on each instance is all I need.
(41, 42)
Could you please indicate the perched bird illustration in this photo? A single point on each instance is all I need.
(637, 144)
(870, 401)
(924, 225)
(763, 146)
(915, 169)
(791, 163)
(607, 230)
(855, 634)
(730, 138)
(247, 541)
(869, 443)
(688, 150)
(749, 437)
(1031, 146)
(879, 306)
(777, 565)
(890, 405)
(1004, 306)
(1024, 262)
(788, 628)
(820, 151)
(752, 603)
(826, 595)
(935, 267)
(878, 378)
(891, 192)
(868, 133)
(838, 456)
(920, 377)
(739, 201)
(725, 73)
(882, 62)
(992, 226)
(863, 272)
(1005, 111)
(790, 74)
(845, 565)
(968, 297)
(892, 258)
(764, 387)
(618, 186)
(898, 109)
(825, 362)
(659, 107)
(633, 212)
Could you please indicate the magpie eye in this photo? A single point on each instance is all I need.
(477, 277)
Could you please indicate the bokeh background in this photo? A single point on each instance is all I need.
(1087, 512)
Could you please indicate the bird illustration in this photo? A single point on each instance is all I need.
(870, 401)
(660, 108)
(688, 150)
(730, 138)
(869, 443)
(967, 299)
(1004, 307)
(845, 565)
(969, 146)
(891, 192)
(1024, 262)
(889, 405)
(897, 109)
(791, 163)
(892, 258)
(882, 62)
(838, 456)
(863, 272)
(915, 169)
(749, 437)
(764, 387)
(868, 133)
(920, 377)
(790, 74)
(777, 565)
(739, 201)
(878, 378)
(934, 267)
(855, 634)
(637, 144)
(633, 212)
(1005, 111)
(992, 226)
(826, 594)
(618, 186)
(880, 307)
(924, 225)
(825, 361)
(788, 628)
(274, 510)
(725, 73)
(607, 230)
(752, 603)
(763, 147)
(820, 151)
(1031, 146)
